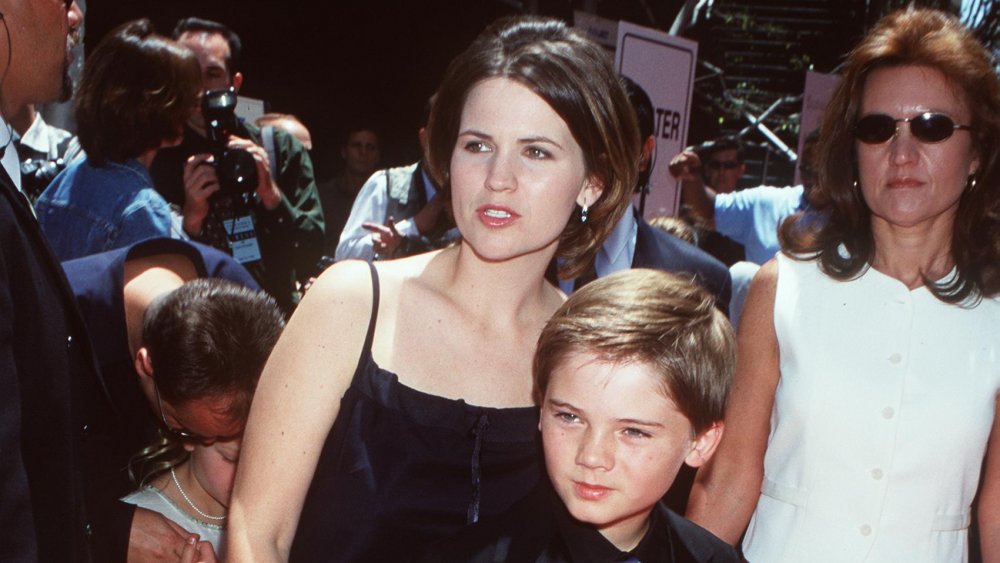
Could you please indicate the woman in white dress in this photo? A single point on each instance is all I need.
(866, 389)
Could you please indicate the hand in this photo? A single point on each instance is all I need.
(198, 552)
(303, 288)
(267, 190)
(385, 238)
(200, 182)
(155, 538)
(686, 167)
(428, 216)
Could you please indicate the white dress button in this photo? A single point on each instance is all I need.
(866, 530)
(888, 412)
(876, 474)
(896, 358)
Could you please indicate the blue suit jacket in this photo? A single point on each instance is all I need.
(97, 284)
(658, 250)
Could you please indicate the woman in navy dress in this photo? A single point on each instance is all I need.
(397, 407)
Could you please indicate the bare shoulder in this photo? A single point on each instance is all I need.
(767, 276)
(422, 272)
(322, 342)
(411, 266)
(758, 312)
(349, 278)
(341, 293)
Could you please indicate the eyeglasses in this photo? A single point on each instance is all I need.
(185, 435)
(722, 164)
(929, 127)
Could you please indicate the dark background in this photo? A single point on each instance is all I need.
(337, 62)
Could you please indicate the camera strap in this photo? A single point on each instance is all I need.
(267, 135)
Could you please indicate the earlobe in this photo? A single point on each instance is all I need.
(590, 193)
(237, 81)
(704, 445)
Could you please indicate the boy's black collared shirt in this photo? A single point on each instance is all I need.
(538, 529)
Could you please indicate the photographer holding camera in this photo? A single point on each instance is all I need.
(266, 214)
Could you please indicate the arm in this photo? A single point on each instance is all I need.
(370, 207)
(686, 167)
(296, 403)
(988, 514)
(290, 213)
(396, 239)
(726, 489)
(18, 542)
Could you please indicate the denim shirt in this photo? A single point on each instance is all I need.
(89, 209)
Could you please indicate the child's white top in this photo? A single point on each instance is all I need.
(151, 498)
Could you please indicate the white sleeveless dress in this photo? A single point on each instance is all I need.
(880, 421)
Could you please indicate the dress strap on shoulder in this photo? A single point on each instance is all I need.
(374, 316)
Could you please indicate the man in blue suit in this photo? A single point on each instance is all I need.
(633, 243)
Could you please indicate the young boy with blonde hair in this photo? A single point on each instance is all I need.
(631, 377)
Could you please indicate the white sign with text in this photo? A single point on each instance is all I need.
(664, 66)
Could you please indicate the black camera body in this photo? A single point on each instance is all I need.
(236, 168)
(37, 174)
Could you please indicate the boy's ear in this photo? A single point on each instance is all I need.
(143, 365)
(705, 444)
(144, 370)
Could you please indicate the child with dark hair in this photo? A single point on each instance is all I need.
(203, 348)
(632, 375)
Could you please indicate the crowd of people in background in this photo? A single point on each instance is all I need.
(490, 354)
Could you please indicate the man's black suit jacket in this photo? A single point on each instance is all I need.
(54, 412)
(658, 250)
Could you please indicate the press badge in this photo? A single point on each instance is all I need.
(242, 239)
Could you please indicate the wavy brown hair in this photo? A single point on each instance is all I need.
(933, 39)
(138, 90)
(576, 78)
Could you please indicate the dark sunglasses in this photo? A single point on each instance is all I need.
(186, 435)
(877, 128)
(722, 164)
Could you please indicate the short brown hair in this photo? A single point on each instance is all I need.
(138, 90)
(920, 37)
(575, 77)
(675, 226)
(208, 338)
(654, 318)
